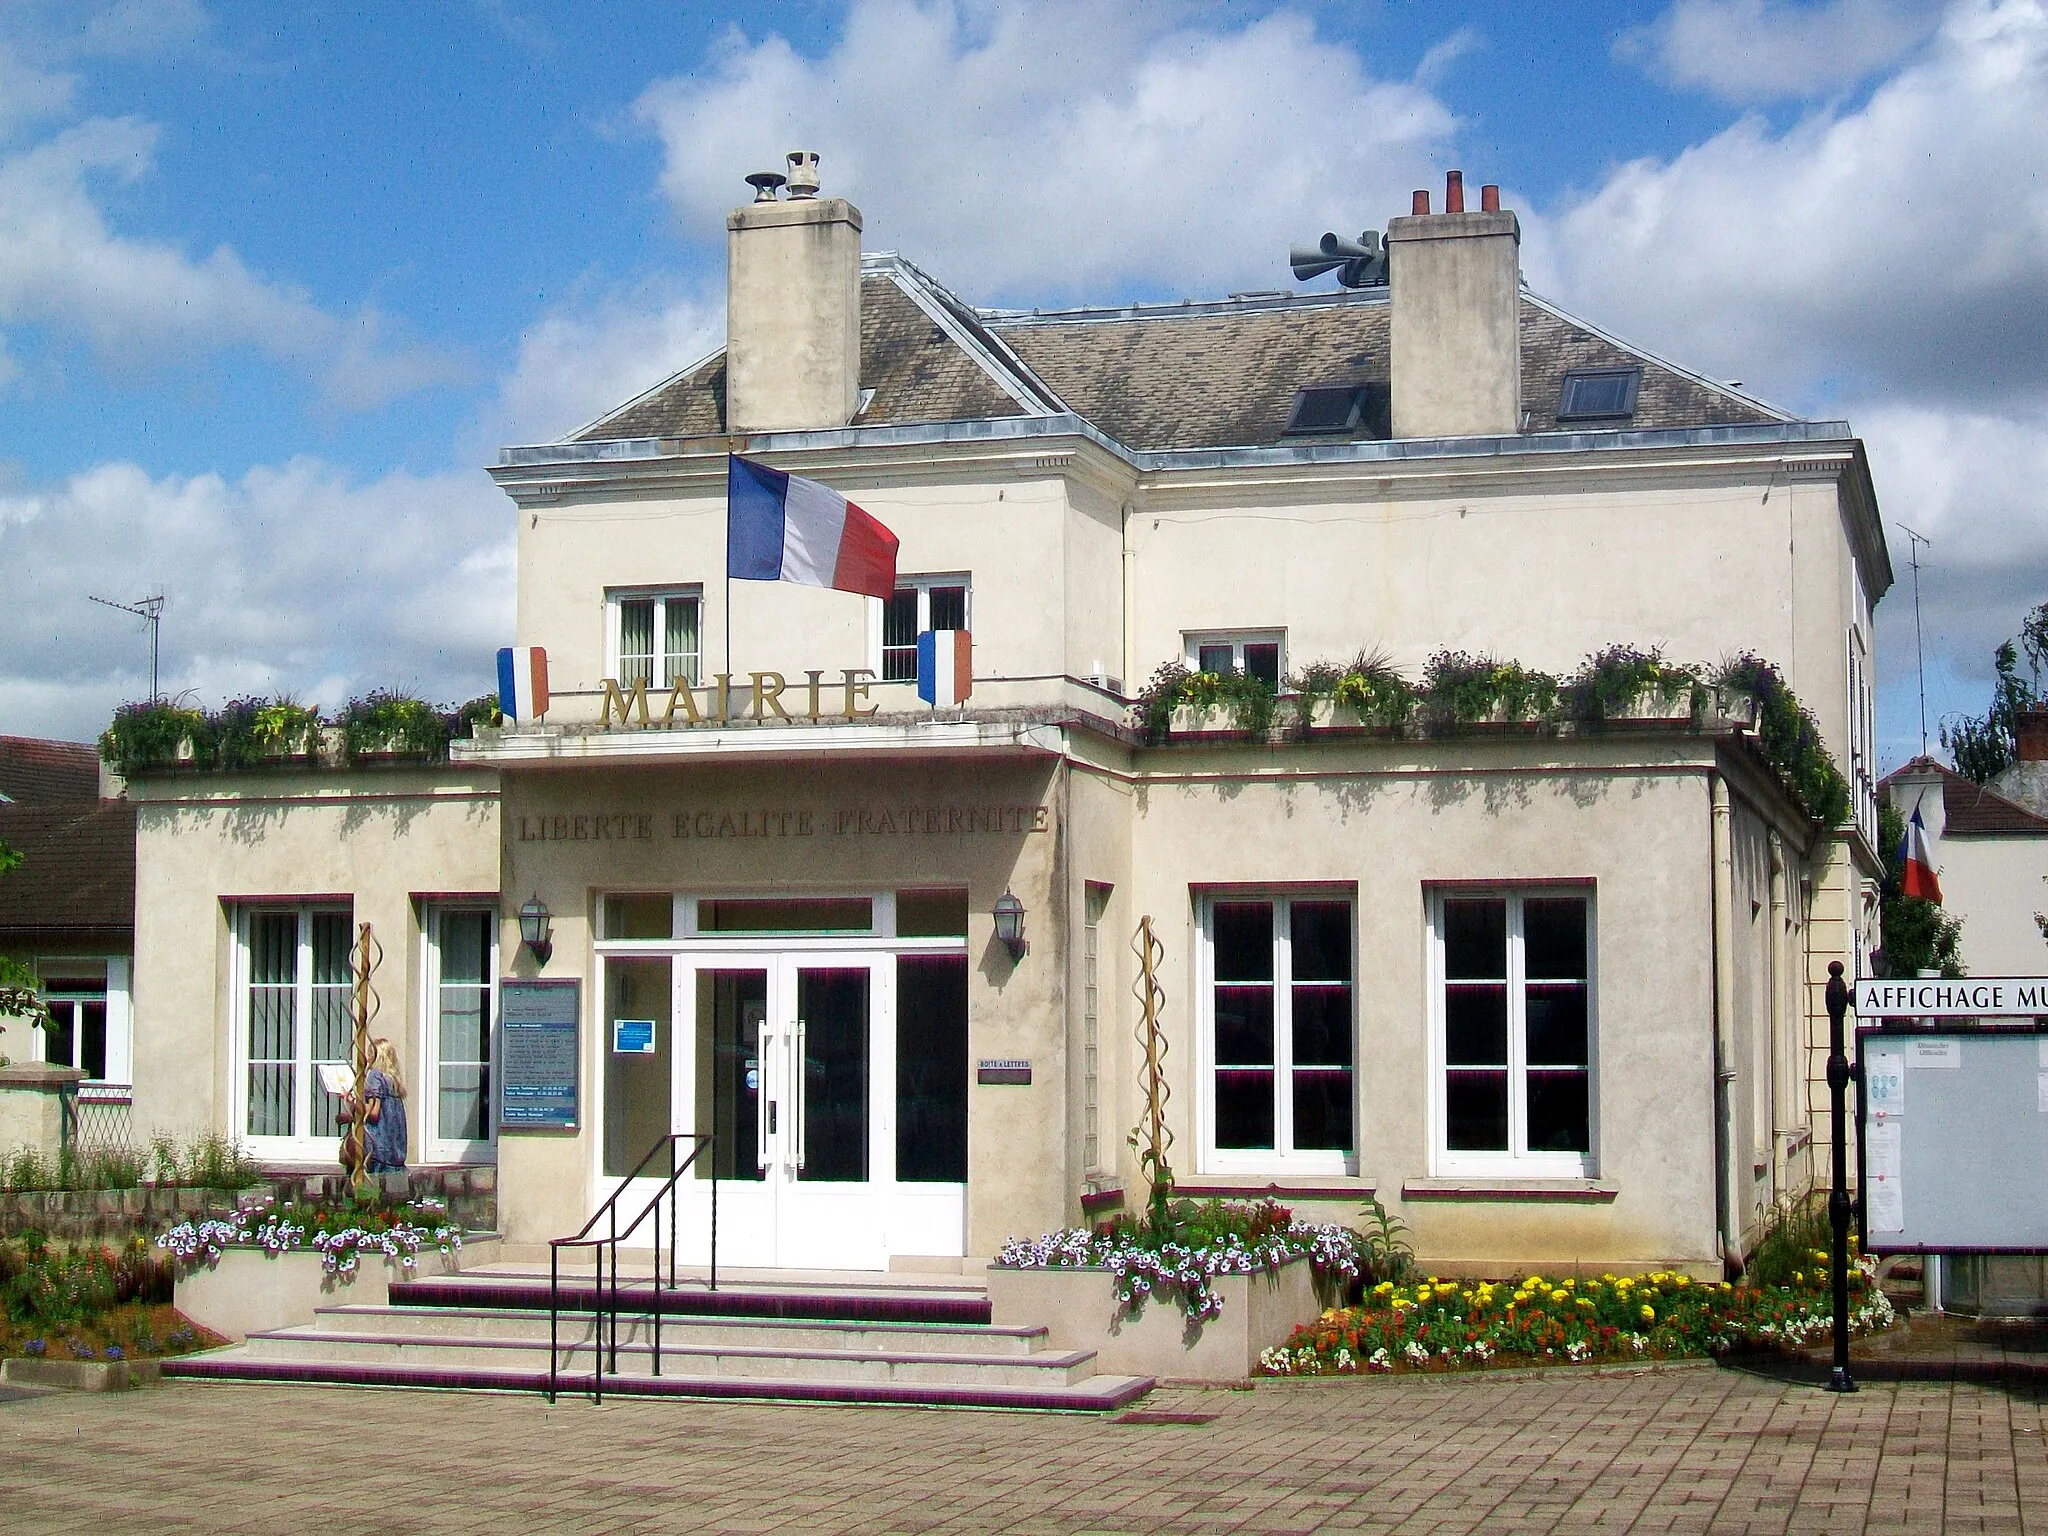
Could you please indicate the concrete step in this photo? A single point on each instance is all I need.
(637, 1358)
(837, 1303)
(980, 1339)
(1092, 1394)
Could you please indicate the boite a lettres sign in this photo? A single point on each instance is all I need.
(538, 1063)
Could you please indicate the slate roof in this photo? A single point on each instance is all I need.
(1968, 807)
(37, 772)
(1162, 377)
(77, 872)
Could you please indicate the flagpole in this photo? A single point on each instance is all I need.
(728, 631)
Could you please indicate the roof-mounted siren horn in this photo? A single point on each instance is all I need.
(765, 185)
(1360, 263)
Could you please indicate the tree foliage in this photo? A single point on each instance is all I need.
(1917, 934)
(1983, 746)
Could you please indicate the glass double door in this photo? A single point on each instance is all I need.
(828, 1082)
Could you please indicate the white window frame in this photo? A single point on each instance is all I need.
(1517, 1161)
(1282, 1157)
(300, 1145)
(426, 1089)
(1192, 642)
(120, 1076)
(922, 585)
(691, 594)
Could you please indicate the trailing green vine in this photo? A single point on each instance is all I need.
(1459, 690)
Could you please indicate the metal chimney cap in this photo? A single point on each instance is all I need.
(803, 173)
(764, 184)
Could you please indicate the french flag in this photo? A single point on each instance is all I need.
(945, 667)
(1918, 879)
(782, 527)
(523, 682)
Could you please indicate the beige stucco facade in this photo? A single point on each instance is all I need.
(717, 854)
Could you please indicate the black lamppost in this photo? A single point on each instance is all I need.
(1838, 1196)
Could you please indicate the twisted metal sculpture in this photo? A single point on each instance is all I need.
(1153, 1135)
(364, 1005)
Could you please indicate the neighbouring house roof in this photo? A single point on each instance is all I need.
(1969, 808)
(38, 772)
(77, 871)
(1162, 377)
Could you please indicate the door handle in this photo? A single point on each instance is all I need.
(764, 1106)
(798, 1113)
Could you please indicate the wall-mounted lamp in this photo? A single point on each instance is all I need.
(1009, 915)
(536, 923)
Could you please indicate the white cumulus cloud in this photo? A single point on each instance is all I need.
(1061, 148)
(1764, 50)
(292, 578)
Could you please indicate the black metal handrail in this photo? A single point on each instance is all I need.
(605, 1300)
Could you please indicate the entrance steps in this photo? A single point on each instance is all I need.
(764, 1335)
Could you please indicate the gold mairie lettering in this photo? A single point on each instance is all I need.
(816, 678)
(617, 701)
(856, 691)
(768, 688)
(684, 698)
(723, 712)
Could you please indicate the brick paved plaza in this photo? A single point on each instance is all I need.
(1681, 1449)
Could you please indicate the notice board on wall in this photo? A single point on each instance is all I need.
(1954, 1139)
(540, 1051)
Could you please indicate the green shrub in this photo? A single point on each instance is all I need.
(1796, 1239)
(23, 1168)
(1458, 689)
(250, 731)
(387, 721)
(209, 1160)
(150, 735)
(480, 711)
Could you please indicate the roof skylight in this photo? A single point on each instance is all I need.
(1325, 409)
(1599, 394)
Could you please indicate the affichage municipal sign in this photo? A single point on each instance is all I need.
(1971, 997)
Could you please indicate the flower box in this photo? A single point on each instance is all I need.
(1078, 1309)
(248, 1290)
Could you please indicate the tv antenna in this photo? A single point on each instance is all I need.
(1914, 541)
(151, 611)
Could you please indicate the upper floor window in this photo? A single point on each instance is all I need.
(1278, 1032)
(1255, 652)
(1513, 1032)
(918, 603)
(656, 636)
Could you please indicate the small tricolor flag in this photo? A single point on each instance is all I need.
(523, 682)
(945, 666)
(1918, 879)
(782, 527)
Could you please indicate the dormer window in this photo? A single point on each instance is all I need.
(1326, 410)
(1599, 394)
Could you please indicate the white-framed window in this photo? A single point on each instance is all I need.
(1277, 1032)
(1862, 736)
(1513, 1031)
(459, 993)
(89, 1018)
(919, 603)
(655, 635)
(1260, 653)
(292, 1015)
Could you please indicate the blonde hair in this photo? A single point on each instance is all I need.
(384, 1058)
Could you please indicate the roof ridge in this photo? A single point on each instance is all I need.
(963, 326)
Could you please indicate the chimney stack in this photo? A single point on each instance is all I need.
(2030, 733)
(792, 305)
(1455, 333)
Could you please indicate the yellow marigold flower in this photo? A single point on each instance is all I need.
(1649, 1313)
(1586, 1302)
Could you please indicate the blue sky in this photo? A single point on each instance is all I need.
(276, 281)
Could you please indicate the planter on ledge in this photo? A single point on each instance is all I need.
(1078, 1309)
(249, 1290)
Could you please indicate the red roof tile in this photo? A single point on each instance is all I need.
(37, 772)
(1969, 808)
(77, 872)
